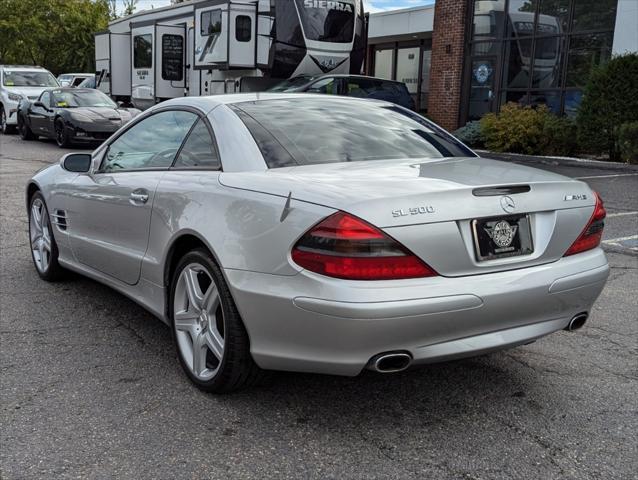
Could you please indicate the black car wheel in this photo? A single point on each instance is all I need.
(25, 131)
(4, 128)
(61, 135)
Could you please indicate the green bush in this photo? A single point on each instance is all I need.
(559, 136)
(528, 130)
(516, 129)
(471, 134)
(628, 142)
(610, 99)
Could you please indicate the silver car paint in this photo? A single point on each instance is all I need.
(298, 320)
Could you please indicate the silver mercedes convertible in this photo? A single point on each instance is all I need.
(318, 234)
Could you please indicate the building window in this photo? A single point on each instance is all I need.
(535, 52)
(383, 63)
(243, 28)
(172, 57)
(143, 51)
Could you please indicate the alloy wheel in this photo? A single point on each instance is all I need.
(40, 235)
(199, 321)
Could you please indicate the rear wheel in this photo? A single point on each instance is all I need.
(61, 135)
(4, 127)
(211, 340)
(25, 131)
(44, 250)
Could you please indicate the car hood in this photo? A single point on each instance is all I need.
(442, 188)
(31, 93)
(103, 114)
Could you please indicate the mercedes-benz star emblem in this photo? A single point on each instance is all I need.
(507, 204)
(502, 233)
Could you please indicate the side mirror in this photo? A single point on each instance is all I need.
(76, 162)
(120, 104)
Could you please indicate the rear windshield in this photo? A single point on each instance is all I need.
(305, 131)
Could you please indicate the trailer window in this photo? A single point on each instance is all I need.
(211, 23)
(143, 51)
(243, 28)
(172, 57)
(327, 21)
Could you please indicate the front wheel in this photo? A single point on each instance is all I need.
(44, 250)
(211, 340)
(25, 132)
(61, 135)
(5, 128)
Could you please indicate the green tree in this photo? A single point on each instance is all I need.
(610, 99)
(55, 34)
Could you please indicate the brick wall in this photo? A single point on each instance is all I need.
(448, 43)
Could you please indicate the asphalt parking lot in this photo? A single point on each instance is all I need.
(91, 388)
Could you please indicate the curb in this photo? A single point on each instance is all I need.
(568, 161)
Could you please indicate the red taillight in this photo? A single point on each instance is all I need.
(593, 232)
(344, 246)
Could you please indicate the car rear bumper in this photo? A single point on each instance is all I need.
(312, 323)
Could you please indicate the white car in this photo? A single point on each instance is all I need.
(73, 79)
(17, 82)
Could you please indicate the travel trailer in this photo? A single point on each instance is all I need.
(205, 47)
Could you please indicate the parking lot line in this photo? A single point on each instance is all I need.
(620, 214)
(608, 176)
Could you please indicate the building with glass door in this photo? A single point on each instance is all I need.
(464, 58)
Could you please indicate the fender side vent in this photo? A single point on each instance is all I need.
(58, 218)
(500, 190)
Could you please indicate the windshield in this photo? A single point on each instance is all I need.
(291, 83)
(303, 131)
(327, 20)
(79, 98)
(25, 78)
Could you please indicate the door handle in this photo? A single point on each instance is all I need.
(138, 197)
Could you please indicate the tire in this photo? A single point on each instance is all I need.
(4, 128)
(217, 327)
(44, 250)
(61, 135)
(25, 132)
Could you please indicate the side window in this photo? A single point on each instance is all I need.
(243, 27)
(198, 150)
(143, 51)
(151, 143)
(46, 99)
(77, 81)
(325, 85)
(210, 23)
(359, 87)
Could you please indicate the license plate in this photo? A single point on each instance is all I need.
(500, 237)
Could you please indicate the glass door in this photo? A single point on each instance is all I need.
(482, 87)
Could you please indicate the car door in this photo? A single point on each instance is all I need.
(110, 211)
(38, 114)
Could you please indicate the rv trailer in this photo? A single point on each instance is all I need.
(207, 47)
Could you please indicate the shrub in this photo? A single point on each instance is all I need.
(516, 129)
(559, 136)
(628, 142)
(471, 134)
(610, 99)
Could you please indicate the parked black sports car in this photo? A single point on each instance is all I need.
(72, 115)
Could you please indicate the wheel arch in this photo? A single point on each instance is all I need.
(32, 188)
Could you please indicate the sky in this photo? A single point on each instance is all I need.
(371, 5)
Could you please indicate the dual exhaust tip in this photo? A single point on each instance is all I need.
(392, 362)
(577, 322)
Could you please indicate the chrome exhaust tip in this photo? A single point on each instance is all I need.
(390, 362)
(577, 322)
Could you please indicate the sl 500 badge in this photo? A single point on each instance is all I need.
(404, 212)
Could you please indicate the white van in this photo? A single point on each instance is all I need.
(20, 81)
